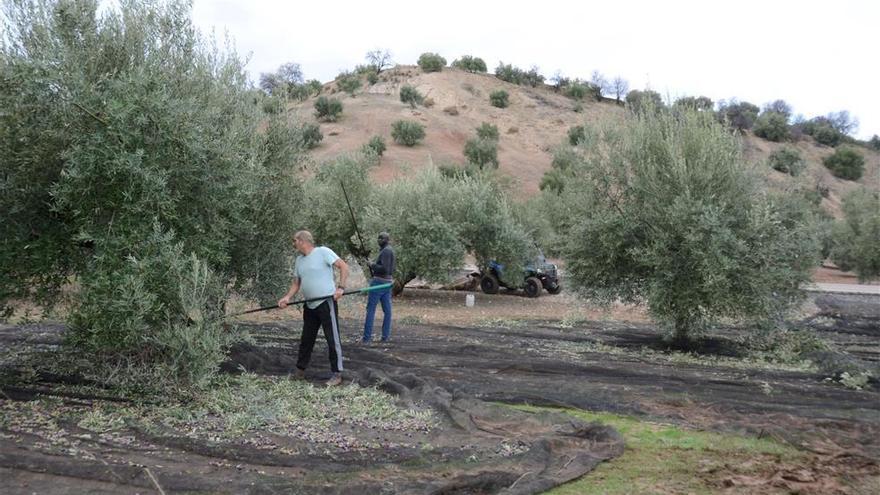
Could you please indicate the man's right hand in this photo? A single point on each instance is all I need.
(282, 303)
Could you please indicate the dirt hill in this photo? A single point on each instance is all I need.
(536, 120)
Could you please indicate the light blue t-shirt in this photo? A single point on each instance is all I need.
(315, 274)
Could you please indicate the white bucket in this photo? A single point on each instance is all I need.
(469, 300)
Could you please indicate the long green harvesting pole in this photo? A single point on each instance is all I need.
(303, 301)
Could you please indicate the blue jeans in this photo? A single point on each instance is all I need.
(373, 298)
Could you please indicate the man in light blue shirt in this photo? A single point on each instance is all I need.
(313, 276)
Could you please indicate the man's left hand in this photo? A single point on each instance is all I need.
(337, 294)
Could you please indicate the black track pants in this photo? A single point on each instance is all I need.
(326, 316)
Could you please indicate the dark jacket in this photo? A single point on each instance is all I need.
(384, 266)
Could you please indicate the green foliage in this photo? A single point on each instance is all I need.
(409, 94)
(431, 62)
(576, 134)
(874, 142)
(499, 98)
(662, 209)
(372, 78)
(470, 64)
(328, 109)
(312, 135)
(738, 115)
(515, 75)
(488, 131)
(578, 90)
(272, 105)
(823, 131)
(772, 126)
(845, 163)
(435, 220)
(698, 103)
(640, 101)
(135, 160)
(407, 132)
(349, 82)
(482, 152)
(314, 87)
(857, 236)
(787, 160)
(376, 145)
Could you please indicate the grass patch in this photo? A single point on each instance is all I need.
(668, 459)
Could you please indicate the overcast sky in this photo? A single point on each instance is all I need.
(818, 56)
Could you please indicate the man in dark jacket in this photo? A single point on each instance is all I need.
(383, 273)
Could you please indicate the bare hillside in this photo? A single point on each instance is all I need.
(536, 120)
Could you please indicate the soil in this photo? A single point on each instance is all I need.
(462, 370)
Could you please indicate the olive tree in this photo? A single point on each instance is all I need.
(136, 162)
(857, 236)
(662, 209)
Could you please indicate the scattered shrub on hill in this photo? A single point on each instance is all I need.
(482, 152)
(515, 75)
(845, 163)
(409, 94)
(272, 105)
(488, 131)
(314, 86)
(451, 110)
(559, 82)
(349, 82)
(578, 107)
(638, 101)
(379, 60)
(576, 134)
(579, 90)
(772, 126)
(311, 135)
(787, 160)
(780, 107)
(630, 235)
(738, 115)
(698, 103)
(874, 142)
(407, 132)
(499, 98)
(328, 109)
(372, 78)
(376, 145)
(470, 64)
(822, 130)
(431, 62)
(856, 237)
(428, 102)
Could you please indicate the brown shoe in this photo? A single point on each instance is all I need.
(335, 379)
(297, 374)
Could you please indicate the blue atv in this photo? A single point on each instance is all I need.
(538, 274)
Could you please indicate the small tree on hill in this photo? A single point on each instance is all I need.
(619, 88)
(772, 126)
(482, 152)
(407, 132)
(379, 60)
(328, 109)
(874, 142)
(601, 85)
(738, 115)
(488, 131)
(349, 82)
(698, 103)
(470, 64)
(639, 101)
(499, 98)
(787, 160)
(409, 94)
(724, 249)
(857, 236)
(431, 62)
(845, 163)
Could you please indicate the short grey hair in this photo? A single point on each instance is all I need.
(304, 235)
